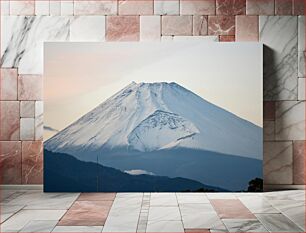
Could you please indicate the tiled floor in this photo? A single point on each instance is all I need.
(35, 211)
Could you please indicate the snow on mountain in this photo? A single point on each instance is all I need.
(163, 127)
(154, 116)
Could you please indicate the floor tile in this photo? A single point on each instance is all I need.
(39, 226)
(200, 216)
(97, 197)
(86, 213)
(129, 195)
(122, 218)
(165, 226)
(238, 225)
(294, 210)
(196, 208)
(161, 199)
(297, 195)
(39, 200)
(192, 198)
(207, 220)
(6, 193)
(197, 230)
(221, 195)
(258, 205)
(231, 209)
(128, 201)
(218, 227)
(241, 194)
(9, 210)
(164, 213)
(23, 217)
(11, 197)
(277, 223)
(74, 229)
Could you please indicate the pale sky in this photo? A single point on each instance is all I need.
(80, 76)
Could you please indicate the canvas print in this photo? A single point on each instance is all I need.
(153, 117)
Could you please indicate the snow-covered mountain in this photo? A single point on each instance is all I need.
(154, 116)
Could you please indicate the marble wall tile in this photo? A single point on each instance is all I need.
(135, 7)
(122, 28)
(299, 162)
(230, 7)
(10, 162)
(277, 164)
(27, 109)
(290, 120)
(269, 110)
(39, 108)
(247, 28)
(27, 129)
(150, 27)
(301, 89)
(301, 46)
(30, 87)
(22, 40)
(22, 7)
(39, 120)
(260, 7)
(221, 25)
(166, 7)
(67, 7)
(198, 7)
(176, 25)
(283, 7)
(39, 128)
(200, 25)
(269, 130)
(279, 35)
(9, 120)
(87, 29)
(55, 8)
(195, 38)
(225, 38)
(8, 84)
(5, 7)
(298, 7)
(42, 7)
(32, 162)
(107, 7)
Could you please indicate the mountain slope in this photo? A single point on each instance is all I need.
(155, 116)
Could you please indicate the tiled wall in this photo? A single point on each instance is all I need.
(25, 25)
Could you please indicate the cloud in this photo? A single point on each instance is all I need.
(48, 128)
(137, 172)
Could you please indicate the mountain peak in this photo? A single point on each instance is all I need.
(153, 116)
